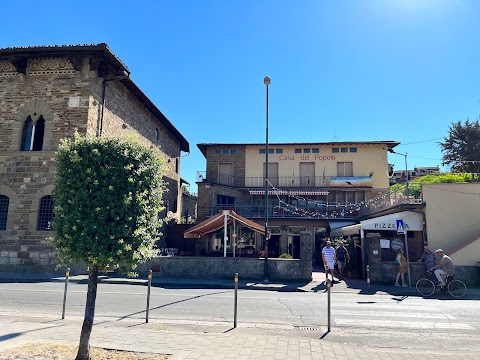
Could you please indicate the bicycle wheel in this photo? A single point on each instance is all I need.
(457, 288)
(425, 287)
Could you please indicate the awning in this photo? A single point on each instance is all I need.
(216, 222)
(289, 192)
(339, 224)
(346, 230)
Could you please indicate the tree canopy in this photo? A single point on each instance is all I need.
(415, 186)
(461, 148)
(107, 200)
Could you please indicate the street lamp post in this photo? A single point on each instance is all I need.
(266, 81)
(407, 190)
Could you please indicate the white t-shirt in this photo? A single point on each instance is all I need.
(329, 254)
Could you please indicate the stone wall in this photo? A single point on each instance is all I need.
(69, 99)
(194, 267)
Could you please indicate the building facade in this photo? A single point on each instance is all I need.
(46, 95)
(313, 187)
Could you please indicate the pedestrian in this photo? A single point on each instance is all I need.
(428, 258)
(342, 257)
(443, 268)
(401, 261)
(328, 257)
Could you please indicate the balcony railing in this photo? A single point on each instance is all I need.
(280, 181)
(322, 212)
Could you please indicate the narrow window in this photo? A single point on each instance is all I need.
(27, 134)
(234, 152)
(315, 150)
(156, 134)
(279, 151)
(353, 149)
(271, 151)
(4, 201)
(32, 135)
(38, 135)
(176, 165)
(218, 151)
(298, 151)
(306, 151)
(261, 151)
(335, 150)
(344, 150)
(45, 213)
(226, 151)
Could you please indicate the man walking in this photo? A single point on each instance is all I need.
(342, 256)
(443, 268)
(328, 257)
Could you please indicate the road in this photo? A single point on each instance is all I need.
(380, 320)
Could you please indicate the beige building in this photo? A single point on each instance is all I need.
(46, 94)
(452, 220)
(312, 186)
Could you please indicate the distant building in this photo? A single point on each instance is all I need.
(400, 176)
(46, 94)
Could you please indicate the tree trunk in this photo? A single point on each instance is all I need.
(84, 347)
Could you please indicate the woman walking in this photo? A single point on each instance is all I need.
(401, 261)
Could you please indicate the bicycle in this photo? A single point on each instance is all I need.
(427, 286)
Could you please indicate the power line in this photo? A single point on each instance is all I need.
(419, 142)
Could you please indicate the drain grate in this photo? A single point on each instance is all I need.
(308, 328)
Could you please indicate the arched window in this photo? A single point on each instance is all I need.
(4, 201)
(45, 213)
(156, 134)
(32, 135)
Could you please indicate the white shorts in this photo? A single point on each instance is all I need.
(331, 265)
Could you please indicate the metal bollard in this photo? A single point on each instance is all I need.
(67, 275)
(326, 272)
(235, 301)
(368, 277)
(329, 285)
(148, 294)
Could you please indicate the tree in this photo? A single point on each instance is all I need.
(107, 200)
(461, 149)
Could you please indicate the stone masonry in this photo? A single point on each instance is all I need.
(64, 86)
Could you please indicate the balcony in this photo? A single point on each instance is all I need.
(284, 181)
(330, 211)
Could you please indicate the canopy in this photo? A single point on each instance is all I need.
(216, 222)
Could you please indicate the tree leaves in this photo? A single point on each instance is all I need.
(107, 199)
(461, 149)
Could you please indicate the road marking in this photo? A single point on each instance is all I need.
(393, 314)
(402, 324)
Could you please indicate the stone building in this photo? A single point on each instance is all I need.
(48, 93)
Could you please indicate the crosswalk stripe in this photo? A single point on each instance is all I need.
(403, 324)
(393, 314)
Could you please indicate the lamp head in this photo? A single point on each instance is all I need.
(266, 80)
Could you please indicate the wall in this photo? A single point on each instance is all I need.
(60, 95)
(69, 99)
(124, 115)
(368, 158)
(452, 220)
(225, 268)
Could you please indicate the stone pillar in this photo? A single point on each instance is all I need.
(306, 247)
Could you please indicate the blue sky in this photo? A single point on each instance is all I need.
(341, 70)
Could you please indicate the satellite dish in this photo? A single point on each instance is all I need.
(170, 215)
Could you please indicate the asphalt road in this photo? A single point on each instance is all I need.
(375, 320)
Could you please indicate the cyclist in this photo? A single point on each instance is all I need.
(428, 258)
(443, 268)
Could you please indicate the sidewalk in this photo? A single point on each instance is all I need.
(318, 284)
(220, 343)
